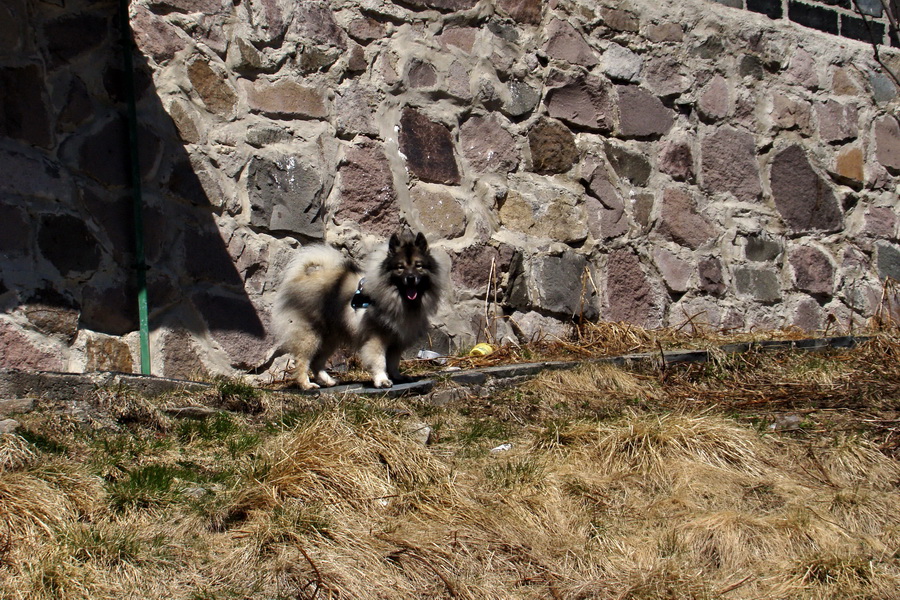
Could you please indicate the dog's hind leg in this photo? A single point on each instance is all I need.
(393, 365)
(304, 347)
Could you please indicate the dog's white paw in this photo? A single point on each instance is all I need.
(326, 380)
(382, 381)
(308, 385)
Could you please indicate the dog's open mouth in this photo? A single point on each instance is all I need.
(412, 293)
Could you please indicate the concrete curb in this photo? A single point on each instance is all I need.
(16, 384)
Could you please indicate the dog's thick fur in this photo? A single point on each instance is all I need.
(313, 314)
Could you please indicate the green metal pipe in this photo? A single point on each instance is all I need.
(135, 178)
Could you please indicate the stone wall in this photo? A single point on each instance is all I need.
(655, 162)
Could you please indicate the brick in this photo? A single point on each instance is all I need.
(770, 8)
(814, 17)
(863, 30)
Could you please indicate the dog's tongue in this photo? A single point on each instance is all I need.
(411, 294)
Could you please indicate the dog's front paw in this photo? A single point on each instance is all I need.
(381, 381)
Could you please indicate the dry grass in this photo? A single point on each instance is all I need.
(615, 484)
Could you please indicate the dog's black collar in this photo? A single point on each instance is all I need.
(360, 299)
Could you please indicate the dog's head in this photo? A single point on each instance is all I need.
(409, 265)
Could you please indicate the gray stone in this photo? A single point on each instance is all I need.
(790, 113)
(8, 426)
(837, 122)
(522, 99)
(286, 194)
(56, 317)
(552, 147)
(605, 207)
(487, 145)
(813, 271)
(428, 148)
(421, 74)
(631, 165)
(641, 114)
(263, 135)
(367, 195)
(887, 143)
(680, 222)
(802, 69)
(584, 102)
(620, 20)
(186, 122)
(100, 153)
(70, 36)
(760, 284)
(760, 248)
(366, 29)
(104, 353)
(472, 266)
(110, 309)
(459, 37)
(728, 164)
(442, 5)
(566, 44)
(887, 260)
(234, 323)
(883, 87)
(630, 297)
(552, 284)
(532, 326)
(16, 406)
(802, 197)
(621, 64)
(313, 22)
(665, 32)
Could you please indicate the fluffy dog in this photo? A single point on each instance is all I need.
(326, 301)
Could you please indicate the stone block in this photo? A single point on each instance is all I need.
(104, 353)
(428, 148)
(70, 36)
(488, 146)
(439, 211)
(15, 230)
(665, 76)
(472, 266)
(583, 102)
(887, 260)
(887, 143)
(641, 114)
(759, 284)
(759, 247)
(621, 64)
(234, 323)
(442, 5)
(286, 99)
(547, 211)
(680, 222)
(527, 12)
(68, 244)
(181, 357)
(848, 166)
(365, 29)
(354, 105)
(552, 284)
(630, 297)
(675, 271)
(837, 122)
(676, 160)
(212, 86)
(813, 271)
(552, 147)
(712, 281)
(155, 37)
(631, 164)
(24, 114)
(53, 316)
(880, 222)
(565, 43)
(286, 194)
(790, 113)
(367, 194)
(802, 197)
(715, 99)
(520, 98)
(18, 351)
(665, 32)
(728, 164)
(620, 20)
(421, 74)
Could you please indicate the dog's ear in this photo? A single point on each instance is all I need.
(393, 243)
(421, 242)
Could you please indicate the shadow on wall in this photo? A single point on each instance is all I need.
(67, 260)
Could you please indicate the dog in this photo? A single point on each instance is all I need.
(326, 301)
